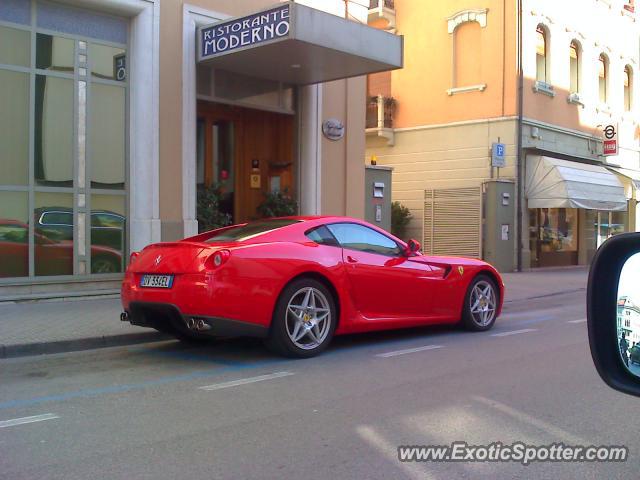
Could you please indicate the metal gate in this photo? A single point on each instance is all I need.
(453, 222)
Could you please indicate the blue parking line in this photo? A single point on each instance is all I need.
(94, 392)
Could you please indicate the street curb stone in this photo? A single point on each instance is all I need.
(75, 345)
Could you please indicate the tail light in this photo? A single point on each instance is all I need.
(217, 259)
(133, 256)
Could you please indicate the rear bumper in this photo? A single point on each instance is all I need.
(168, 318)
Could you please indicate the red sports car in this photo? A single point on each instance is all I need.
(297, 281)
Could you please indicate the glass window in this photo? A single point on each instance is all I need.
(107, 136)
(364, 239)
(15, 46)
(108, 62)
(574, 67)
(54, 53)
(603, 73)
(14, 128)
(250, 230)
(322, 236)
(628, 87)
(16, 11)
(541, 54)
(53, 241)
(14, 234)
(53, 132)
(558, 230)
(108, 233)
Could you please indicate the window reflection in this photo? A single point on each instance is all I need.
(53, 236)
(108, 62)
(107, 135)
(15, 46)
(53, 140)
(628, 314)
(54, 53)
(14, 128)
(14, 234)
(108, 229)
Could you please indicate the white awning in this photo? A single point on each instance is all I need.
(630, 179)
(555, 183)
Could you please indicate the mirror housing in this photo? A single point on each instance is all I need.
(413, 246)
(602, 311)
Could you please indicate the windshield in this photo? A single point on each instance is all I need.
(250, 230)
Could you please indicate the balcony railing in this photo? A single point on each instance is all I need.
(380, 112)
(390, 4)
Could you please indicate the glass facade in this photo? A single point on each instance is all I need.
(63, 142)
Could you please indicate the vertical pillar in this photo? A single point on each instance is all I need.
(310, 149)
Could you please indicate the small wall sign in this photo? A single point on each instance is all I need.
(255, 180)
(333, 129)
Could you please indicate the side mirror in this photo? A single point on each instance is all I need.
(613, 312)
(413, 246)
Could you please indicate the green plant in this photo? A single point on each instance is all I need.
(400, 218)
(277, 204)
(210, 216)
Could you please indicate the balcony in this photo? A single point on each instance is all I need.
(380, 114)
(384, 10)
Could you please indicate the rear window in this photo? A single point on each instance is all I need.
(245, 232)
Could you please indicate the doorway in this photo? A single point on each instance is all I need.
(243, 154)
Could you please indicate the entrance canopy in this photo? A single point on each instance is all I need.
(298, 45)
(630, 179)
(555, 183)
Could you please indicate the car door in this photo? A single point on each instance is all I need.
(385, 283)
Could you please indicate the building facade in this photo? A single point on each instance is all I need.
(537, 80)
(113, 125)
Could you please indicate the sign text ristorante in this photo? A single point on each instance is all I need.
(244, 32)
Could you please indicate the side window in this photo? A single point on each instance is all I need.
(364, 239)
(322, 236)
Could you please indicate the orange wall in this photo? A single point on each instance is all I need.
(421, 86)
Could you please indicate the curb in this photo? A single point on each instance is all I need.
(80, 344)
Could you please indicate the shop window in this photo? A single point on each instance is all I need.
(628, 88)
(14, 234)
(14, 128)
(15, 46)
(108, 233)
(468, 54)
(603, 80)
(108, 62)
(55, 53)
(542, 45)
(609, 224)
(553, 236)
(574, 67)
(53, 133)
(53, 233)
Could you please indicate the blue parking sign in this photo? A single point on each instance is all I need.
(498, 154)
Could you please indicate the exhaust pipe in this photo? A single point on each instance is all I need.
(124, 317)
(191, 323)
(202, 325)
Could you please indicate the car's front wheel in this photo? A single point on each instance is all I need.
(304, 319)
(480, 304)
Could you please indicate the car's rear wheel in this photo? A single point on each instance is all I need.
(480, 304)
(304, 319)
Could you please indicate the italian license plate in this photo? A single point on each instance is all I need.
(157, 281)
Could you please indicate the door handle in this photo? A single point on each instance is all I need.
(350, 259)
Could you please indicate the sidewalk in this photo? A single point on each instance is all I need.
(53, 326)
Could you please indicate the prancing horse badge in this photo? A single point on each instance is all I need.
(461, 270)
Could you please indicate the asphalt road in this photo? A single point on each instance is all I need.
(141, 412)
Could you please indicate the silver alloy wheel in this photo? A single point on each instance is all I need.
(482, 303)
(308, 319)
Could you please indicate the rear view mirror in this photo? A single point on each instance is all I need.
(613, 312)
(413, 246)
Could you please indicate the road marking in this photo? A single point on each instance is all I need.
(526, 418)
(580, 320)
(514, 332)
(244, 381)
(23, 420)
(408, 350)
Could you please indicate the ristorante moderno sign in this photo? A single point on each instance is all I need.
(244, 32)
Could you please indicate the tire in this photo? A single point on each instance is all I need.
(304, 320)
(480, 304)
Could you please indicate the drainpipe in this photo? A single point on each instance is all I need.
(519, 143)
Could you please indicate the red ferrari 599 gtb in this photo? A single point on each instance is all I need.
(298, 281)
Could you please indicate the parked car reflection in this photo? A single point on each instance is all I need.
(52, 256)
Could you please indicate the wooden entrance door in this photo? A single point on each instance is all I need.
(248, 153)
